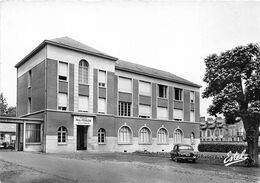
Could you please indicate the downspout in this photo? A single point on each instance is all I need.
(45, 106)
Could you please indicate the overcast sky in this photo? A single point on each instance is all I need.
(174, 36)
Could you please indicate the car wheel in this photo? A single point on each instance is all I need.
(193, 161)
(177, 160)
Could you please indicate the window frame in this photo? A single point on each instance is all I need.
(142, 92)
(126, 107)
(166, 136)
(29, 78)
(164, 91)
(62, 131)
(192, 138)
(101, 132)
(35, 132)
(167, 113)
(123, 90)
(192, 97)
(105, 105)
(61, 77)
(130, 135)
(82, 96)
(180, 94)
(175, 135)
(83, 70)
(145, 135)
(62, 108)
(178, 119)
(102, 84)
(143, 115)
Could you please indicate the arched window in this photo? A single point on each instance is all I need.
(83, 72)
(178, 136)
(162, 136)
(208, 133)
(145, 136)
(62, 134)
(216, 132)
(192, 137)
(101, 135)
(124, 135)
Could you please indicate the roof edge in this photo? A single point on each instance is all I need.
(32, 53)
(45, 42)
(155, 76)
(80, 50)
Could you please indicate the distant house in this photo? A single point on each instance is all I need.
(217, 130)
(7, 133)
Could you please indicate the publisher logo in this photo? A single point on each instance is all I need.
(235, 158)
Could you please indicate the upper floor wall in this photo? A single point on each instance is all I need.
(102, 92)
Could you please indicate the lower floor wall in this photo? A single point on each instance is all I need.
(112, 145)
(33, 147)
(69, 132)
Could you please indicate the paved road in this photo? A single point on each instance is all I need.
(116, 167)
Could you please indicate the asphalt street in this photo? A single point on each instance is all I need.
(113, 168)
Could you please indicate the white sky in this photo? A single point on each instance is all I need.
(174, 36)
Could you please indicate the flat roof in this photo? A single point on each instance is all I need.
(20, 120)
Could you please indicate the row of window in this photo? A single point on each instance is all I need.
(125, 85)
(125, 135)
(124, 108)
(145, 111)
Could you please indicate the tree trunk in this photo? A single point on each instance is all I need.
(252, 146)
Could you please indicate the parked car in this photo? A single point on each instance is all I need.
(183, 152)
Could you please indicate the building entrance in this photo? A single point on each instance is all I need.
(82, 137)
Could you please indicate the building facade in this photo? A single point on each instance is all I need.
(217, 130)
(89, 100)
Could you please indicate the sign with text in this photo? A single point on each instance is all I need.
(81, 120)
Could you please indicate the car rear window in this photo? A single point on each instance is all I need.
(185, 148)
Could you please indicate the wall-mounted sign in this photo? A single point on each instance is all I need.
(81, 120)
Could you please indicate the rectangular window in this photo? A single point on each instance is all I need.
(192, 97)
(144, 111)
(192, 116)
(162, 91)
(178, 94)
(124, 109)
(33, 133)
(29, 108)
(29, 78)
(144, 88)
(63, 71)
(83, 103)
(62, 101)
(162, 113)
(178, 115)
(102, 78)
(102, 105)
(124, 85)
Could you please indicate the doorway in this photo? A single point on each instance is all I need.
(82, 137)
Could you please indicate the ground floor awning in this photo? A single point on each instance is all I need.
(16, 120)
(28, 131)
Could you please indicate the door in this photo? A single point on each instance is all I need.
(81, 137)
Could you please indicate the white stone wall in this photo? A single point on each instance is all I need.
(52, 145)
(71, 56)
(33, 147)
(33, 61)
